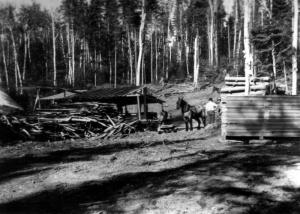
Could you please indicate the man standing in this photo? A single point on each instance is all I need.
(210, 109)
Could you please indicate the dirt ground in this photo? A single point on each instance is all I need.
(183, 172)
(186, 172)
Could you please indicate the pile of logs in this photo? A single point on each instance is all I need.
(236, 86)
(56, 125)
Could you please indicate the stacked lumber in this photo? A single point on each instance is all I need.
(236, 86)
(102, 122)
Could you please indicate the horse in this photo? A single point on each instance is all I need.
(189, 113)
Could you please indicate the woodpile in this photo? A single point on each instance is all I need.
(236, 86)
(50, 125)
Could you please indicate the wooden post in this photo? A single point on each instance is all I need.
(138, 106)
(37, 99)
(145, 103)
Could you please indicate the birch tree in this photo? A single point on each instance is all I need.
(54, 50)
(141, 45)
(4, 58)
(295, 47)
(236, 39)
(247, 54)
(18, 78)
(212, 33)
(196, 60)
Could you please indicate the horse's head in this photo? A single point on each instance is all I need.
(179, 102)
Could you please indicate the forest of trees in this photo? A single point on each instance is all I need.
(134, 42)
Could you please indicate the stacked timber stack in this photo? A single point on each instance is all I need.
(235, 86)
(261, 117)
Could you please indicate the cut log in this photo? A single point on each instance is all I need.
(242, 79)
(111, 121)
(243, 83)
(241, 89)
(252, 93)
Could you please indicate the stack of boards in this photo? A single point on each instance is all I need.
(235, 86)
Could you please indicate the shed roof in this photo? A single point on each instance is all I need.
(7, 104)
(124, 95)
(59, 96)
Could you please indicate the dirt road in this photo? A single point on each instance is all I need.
(189, 172)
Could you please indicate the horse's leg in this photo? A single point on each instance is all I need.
(202, 121)
(199, 123)
(203, 117)
(191, 123)
(186, 124)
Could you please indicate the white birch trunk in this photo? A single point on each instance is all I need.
(295, 48)
(84, 60)
(130, 55)
(141, 33)
(237, 57)
(229, 42)
(25, 57)
(274, 60)
(4, 62)
(247, 54)
(211, 40)
(237, 38)
(187, 52)
(110, 69)
(163, 53)
(135, 52)
(168, 55)
(285, 79)
(196, 60)
(54, 51)
(28, 47)
(73, 55)
(18, 79)
(151, 58)
(235, 30)
(156, 57)
(69, 55)
(115, 82)
(216, 47)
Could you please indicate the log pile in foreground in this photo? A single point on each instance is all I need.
(52, 125)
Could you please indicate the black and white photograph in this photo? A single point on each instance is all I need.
(149, 107)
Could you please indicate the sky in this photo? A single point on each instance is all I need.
(52, 4)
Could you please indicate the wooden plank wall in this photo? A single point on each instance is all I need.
(261, 116)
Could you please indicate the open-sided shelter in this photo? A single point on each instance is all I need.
(124, 96)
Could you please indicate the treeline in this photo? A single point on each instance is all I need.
(142, 41)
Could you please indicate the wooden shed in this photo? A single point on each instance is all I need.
(261, 116)
(124, 96)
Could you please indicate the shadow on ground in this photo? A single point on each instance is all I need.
(34, 163)
(242, 178)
